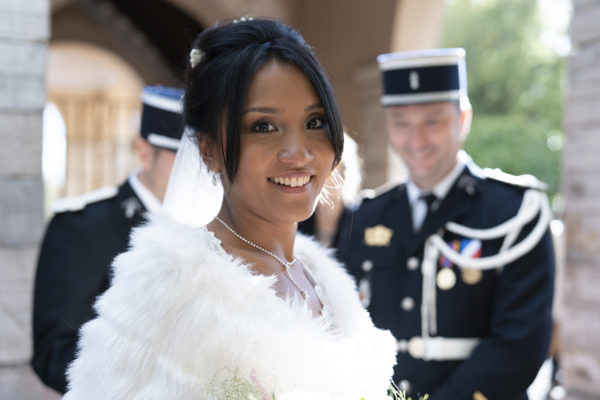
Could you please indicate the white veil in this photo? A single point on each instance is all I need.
(191, 198)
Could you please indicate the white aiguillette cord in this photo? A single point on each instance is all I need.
(534, 202)
(286, 264)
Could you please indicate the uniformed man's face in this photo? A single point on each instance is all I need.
(156, 164)
(286, 154)
(427, 137)
(161, 171)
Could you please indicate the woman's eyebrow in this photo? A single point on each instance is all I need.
(271, 110)
(313, 107)
(268, 110)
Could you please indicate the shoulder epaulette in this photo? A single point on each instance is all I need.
(368, 194)
(524, 181)
(77, 203)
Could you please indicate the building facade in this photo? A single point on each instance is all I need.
(579, 305)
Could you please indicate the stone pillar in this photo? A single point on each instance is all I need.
(24, 31)
(580, 305)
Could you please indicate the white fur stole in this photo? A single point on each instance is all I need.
(183, 319)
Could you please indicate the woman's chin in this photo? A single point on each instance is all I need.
(299, 216)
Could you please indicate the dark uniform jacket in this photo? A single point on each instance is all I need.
(508, 309)
(73, 269)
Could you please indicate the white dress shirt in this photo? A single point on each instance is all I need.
(418, 204)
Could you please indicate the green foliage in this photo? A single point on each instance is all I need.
(515, 145)
(515, 85)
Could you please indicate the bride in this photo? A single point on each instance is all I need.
(242, 307)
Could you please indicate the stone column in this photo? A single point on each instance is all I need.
(24, 31)
(580, 305)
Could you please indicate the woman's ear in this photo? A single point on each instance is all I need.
(207, 151)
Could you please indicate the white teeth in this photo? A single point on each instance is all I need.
(292, 182)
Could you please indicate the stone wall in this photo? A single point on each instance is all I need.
(580, 305)
(24, 31)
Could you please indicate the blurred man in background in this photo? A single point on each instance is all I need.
(88, 231)
(457, 262)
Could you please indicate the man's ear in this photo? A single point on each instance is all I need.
(208, 153)
(144, 150)
(466, 116)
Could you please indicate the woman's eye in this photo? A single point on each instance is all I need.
(316, 123)
(263, 126)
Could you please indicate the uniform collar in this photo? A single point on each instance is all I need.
(150, 202)
(457, 202)
(441, 189)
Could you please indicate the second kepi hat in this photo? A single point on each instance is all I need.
(423, 76)
(162, 123)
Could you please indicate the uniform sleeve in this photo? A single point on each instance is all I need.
(68, 279)
(343, 235)
(505, 363)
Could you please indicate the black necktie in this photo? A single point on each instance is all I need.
(430, 200)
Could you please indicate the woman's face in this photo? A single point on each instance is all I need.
(285, 151)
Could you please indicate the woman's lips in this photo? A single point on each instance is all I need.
(291, 181)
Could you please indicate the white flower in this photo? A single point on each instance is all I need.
(195, 57)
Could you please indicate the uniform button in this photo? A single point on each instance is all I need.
(404, 385)
(401, 346)
(412, 263)
(367, 265)
(408, 303)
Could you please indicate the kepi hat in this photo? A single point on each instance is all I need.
(423, 76)
(162, 122)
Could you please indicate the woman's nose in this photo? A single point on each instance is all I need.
(295, 150)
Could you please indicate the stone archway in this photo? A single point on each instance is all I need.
(98, 95)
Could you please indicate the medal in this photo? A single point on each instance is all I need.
(471, 276)
(364, 292)
(446, 278)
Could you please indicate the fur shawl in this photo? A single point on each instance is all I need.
(183, 319)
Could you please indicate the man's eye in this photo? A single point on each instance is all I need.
(263, 126)
(316, 123)
(432, 122)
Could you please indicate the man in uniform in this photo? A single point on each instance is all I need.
(88, 231)
(457, 262)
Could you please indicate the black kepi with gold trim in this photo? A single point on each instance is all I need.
(423, 76)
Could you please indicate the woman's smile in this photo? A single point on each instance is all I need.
(297, 183)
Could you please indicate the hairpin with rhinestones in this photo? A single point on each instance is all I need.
(243, 19)
(195, 57)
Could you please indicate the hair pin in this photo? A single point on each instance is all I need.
(243, 19)
(195, 57)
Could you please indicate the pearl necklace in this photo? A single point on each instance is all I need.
(286, 264)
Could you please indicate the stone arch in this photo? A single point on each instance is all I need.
(113, 49)
(97, 94)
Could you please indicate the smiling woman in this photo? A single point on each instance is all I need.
(242, 307)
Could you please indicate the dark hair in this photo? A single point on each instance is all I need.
(218, 84)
